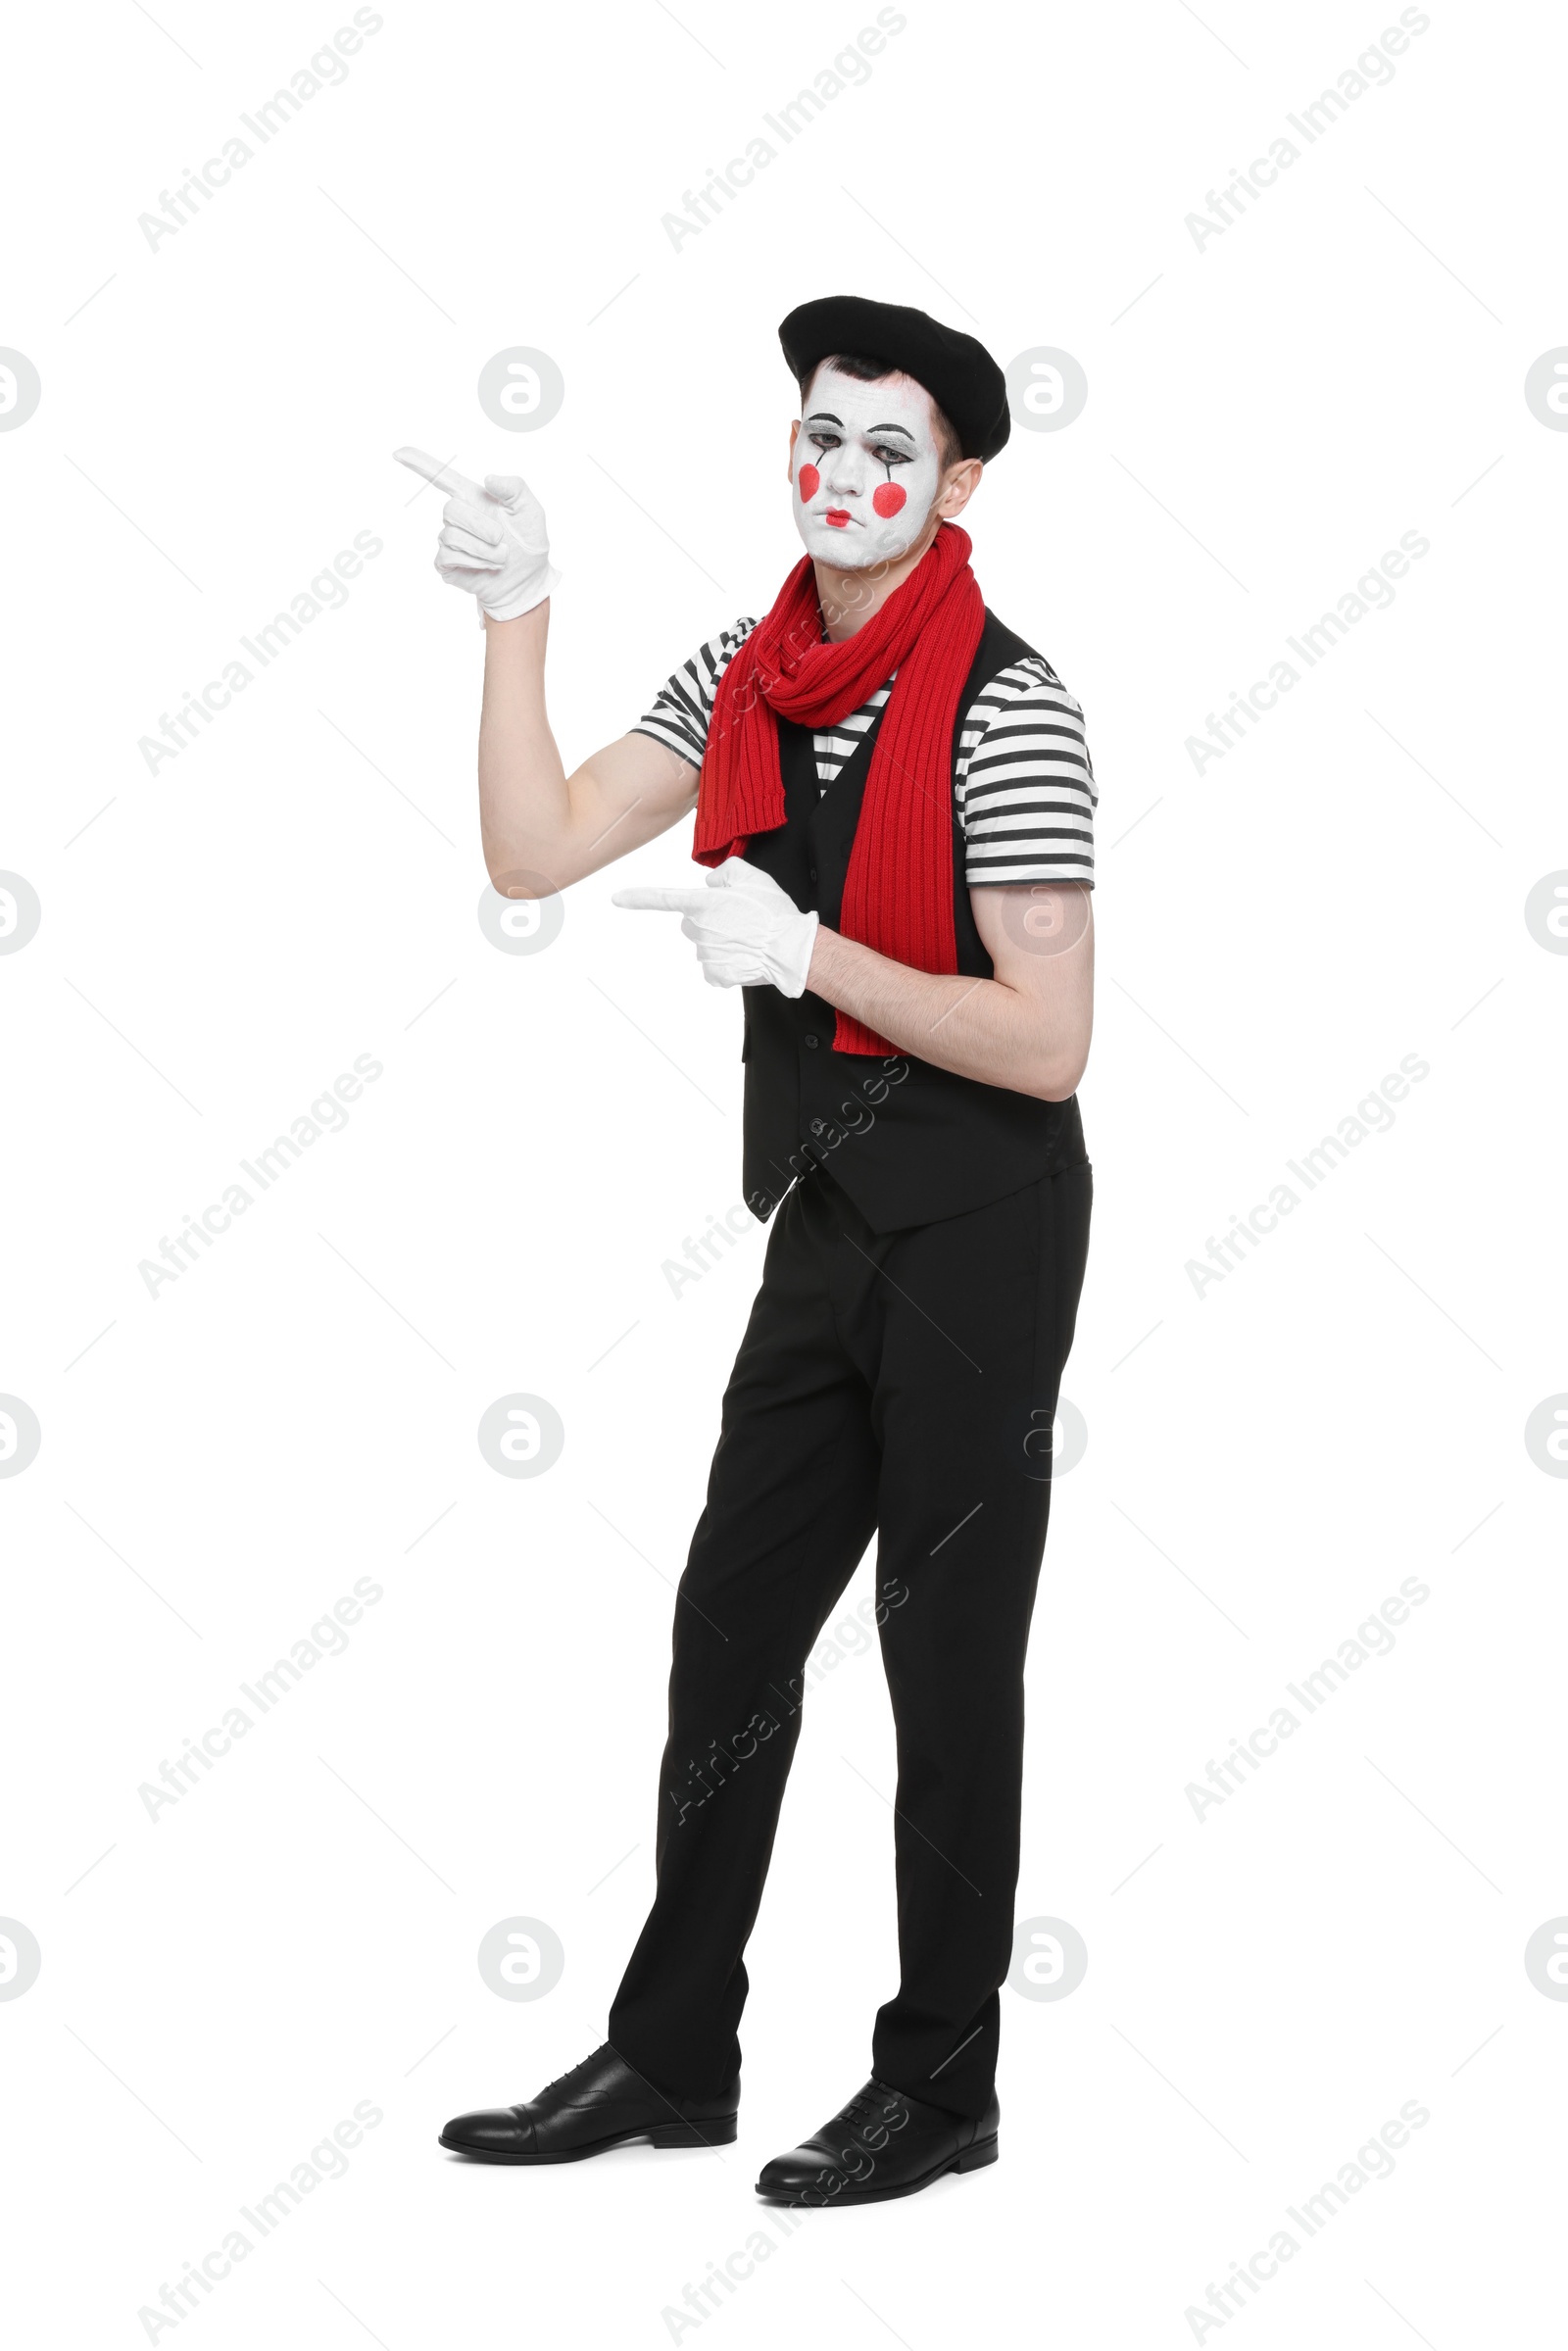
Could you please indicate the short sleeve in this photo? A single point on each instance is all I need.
(684, 704)
(1025, 782)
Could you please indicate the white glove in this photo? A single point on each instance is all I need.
(492, 543)
(749, 931)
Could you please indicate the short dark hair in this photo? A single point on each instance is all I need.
(868, 370)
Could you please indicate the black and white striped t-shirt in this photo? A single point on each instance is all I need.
(1024, 785)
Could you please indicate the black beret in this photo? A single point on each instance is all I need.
(960, 374)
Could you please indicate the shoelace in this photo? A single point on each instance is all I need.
(864, 2099)
(580, 2067)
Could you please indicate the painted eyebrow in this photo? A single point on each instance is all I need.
(824, 415)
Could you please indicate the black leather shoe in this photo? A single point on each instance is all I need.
(601, 2103)
(882, 2145)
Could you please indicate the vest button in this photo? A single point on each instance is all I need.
(810, 873)
(810, 1038)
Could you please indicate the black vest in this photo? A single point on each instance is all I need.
(910, 1143)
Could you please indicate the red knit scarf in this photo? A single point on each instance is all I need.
(898, 892)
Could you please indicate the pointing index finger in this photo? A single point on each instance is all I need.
(443, 476)
(663, 902)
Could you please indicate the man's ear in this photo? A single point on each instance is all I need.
(795, 434)
(960, 485)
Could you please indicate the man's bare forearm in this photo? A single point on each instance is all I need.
(542, 828)
(524, 799)
(977, 1028)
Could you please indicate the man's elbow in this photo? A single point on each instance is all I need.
(509, 879)
(1057, 1086)
(1059, 1072)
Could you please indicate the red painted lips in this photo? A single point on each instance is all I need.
(838, 516)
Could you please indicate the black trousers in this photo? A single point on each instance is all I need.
(901, 1384)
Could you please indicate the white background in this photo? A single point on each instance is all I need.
(1267, 415)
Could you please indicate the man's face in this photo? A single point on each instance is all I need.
(865, 471)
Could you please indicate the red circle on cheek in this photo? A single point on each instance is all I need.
(811, 482)
(888, 499)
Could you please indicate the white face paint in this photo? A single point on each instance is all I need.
(864, 470)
